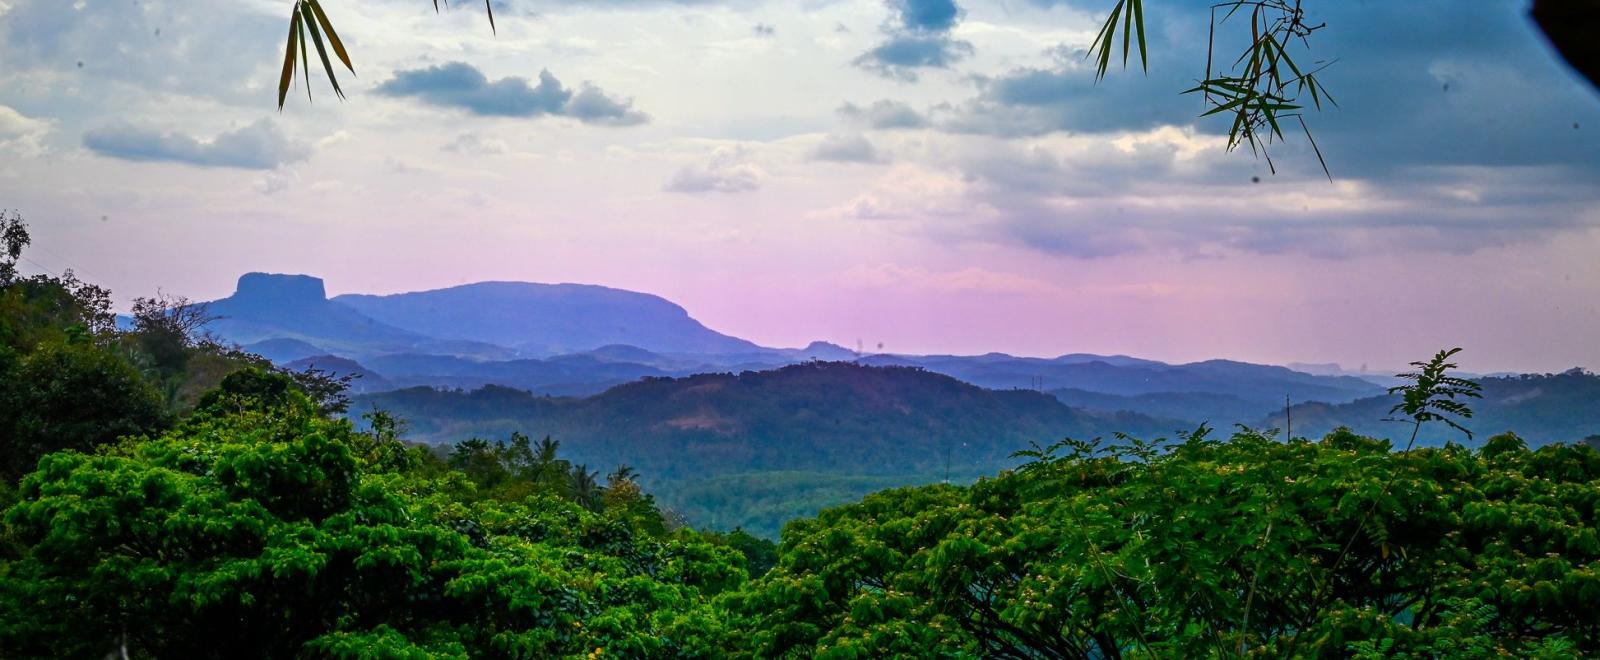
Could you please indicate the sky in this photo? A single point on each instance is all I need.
(928, 175)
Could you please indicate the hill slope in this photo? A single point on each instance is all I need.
(829, 416)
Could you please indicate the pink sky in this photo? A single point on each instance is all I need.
(785, 187)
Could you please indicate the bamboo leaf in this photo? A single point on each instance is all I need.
(322, 53)
(488, 5)
(288, 59)
(1315, 149)
(333, 37)
(1127, 29)
(1102, 41)
(305, 64)
(1138, 14)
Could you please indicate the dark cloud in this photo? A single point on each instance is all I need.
(259, 146)
(1417, 83)
(884, 114)
(1151, 198)
(765, 30)
(919, 38)
(927, 15)
(1454, 131)
(847, 149)
(460, 85)
(902, 55)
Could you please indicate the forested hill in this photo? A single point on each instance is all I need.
(1542, 409)
(827, 416)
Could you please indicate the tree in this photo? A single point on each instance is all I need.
(73, 396)
(257, 528)
(13, 238)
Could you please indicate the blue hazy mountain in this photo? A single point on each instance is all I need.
(548, 319)
(1126, 376)
(1541, 408)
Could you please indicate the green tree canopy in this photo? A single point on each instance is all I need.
(257, 528)
(1210, 549)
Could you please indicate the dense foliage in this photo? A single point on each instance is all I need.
(1250, 546)
(259, 527)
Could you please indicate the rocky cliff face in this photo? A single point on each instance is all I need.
(266, 290)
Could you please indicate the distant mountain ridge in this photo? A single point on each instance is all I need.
(1542, 409)
(579, 339)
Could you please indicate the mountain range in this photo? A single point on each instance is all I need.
(733, 433)
(580, 339)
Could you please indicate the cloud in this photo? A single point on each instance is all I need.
(765, 29)
(726, 172)
(277, 181)
(460, 85)
(259, 146)
(884, 114)
(919, 38)
(20, 134)
(903, 54)
(852, 148)
(926, 15)
(920, 198)
(478, 145)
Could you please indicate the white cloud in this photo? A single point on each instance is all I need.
(21, 135)
(726, 172)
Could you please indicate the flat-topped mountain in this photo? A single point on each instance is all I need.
(548, 319)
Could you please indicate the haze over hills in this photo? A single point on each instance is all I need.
(579, 340)
(834, 429)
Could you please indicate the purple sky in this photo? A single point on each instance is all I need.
(937, 177)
